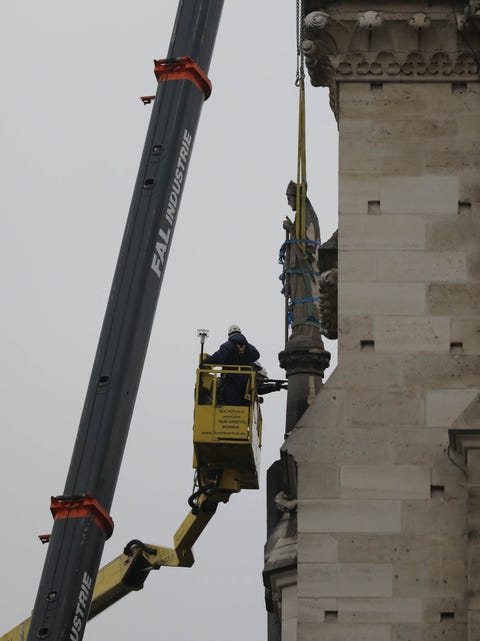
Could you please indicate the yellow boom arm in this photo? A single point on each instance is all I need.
(128, 571)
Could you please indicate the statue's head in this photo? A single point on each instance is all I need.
(292, 194)
(292, 188)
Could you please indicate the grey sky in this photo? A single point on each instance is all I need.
(71, 131)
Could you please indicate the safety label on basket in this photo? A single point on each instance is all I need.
(232, 420)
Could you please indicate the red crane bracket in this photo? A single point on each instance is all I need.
(183, 68)
(68, 507)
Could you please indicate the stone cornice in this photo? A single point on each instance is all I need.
(390, 45)
(394, 66)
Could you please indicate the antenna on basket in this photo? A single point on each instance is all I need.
(202, 335)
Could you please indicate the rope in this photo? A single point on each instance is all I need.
(306, 320)
(301, 196)
(307, 241)
(301, 199)
(311, 299)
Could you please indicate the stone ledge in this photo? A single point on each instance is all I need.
(463, 440)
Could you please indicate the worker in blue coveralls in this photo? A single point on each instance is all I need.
(236, 351)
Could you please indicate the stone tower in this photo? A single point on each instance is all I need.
(379, 540)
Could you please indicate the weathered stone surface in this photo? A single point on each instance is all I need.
(352, 329)
(379, 158)
(473, 470)
(434, 608)
(473, 265)
(340, 445)
(317, 548)
(438, 370)
(389, 128)
(446, 631)
(432, 578)
(345, 580)
(454, 298)
(289, 629)
(357, 266)
(369, 369)
(354, 194)
(469, 187)
(421, 266)
(394, 334)
(450, 478)
(450, 157)
(383, 298)
(388, 548)
(446, 547)
(343, 632)
(406, 265)
(419, 195)
(396, 103)
(447, 234)
(349, 516)
(318, 481)
(418, 446)
(444, 406)
(467, 332)
(312, 610)
(385, 481)
(394, 232)
(474, 624)
(330, 405)
(289, 610)
(423, 518)
(380, 548)
(379, 407)
(393, 610)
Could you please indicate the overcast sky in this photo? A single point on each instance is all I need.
(72, 129)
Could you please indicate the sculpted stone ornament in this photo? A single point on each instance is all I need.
(328, 285)
(419, 21)
(315, 21)
(284, 504)
(386, 44)
(328, 303)
(472, 13)
(370, 20)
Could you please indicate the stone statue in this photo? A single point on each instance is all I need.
(311, 274)
(301, 266)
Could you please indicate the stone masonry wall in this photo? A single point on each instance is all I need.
(382, 509)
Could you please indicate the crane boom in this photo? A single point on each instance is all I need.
(82, 522)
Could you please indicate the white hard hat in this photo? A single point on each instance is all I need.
(234, 328)
(261, 371)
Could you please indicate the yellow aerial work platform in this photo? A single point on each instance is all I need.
(227, 438)
(226, 454)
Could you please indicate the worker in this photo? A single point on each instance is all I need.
(266, 385)
(235, 351)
